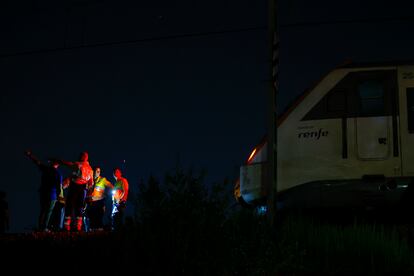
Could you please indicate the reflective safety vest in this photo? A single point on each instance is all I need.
(98, 192)
(120, 191)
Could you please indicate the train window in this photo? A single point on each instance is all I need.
(371, 98)
(358, 94)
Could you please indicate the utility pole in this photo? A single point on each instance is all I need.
(272, 117)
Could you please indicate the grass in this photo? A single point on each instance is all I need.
(243, 245)
(360, 248)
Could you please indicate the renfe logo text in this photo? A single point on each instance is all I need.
(313, 134)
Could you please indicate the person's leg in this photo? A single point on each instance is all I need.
(44, 207)
(114, 216)
(69, 207)
(92, 214)
(62, 217)
(55, 222)
(79, 206)
(100, 210)
(49, 213)
(120, 219)
(118, 216)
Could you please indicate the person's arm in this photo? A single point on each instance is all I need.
(108, 183)
(126, 189)
(66, 163)
(66, 182)
(34, 159)
(90, 183)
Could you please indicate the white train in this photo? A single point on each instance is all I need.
(348, 141)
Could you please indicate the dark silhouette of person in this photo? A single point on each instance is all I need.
(50, 188)
(4, 213)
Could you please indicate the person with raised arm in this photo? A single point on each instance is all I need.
(49, 190)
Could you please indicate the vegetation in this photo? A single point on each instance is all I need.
(193, 231)
(183, 227)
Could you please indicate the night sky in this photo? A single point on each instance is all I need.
(153, 82)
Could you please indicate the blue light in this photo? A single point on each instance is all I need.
(262, 210)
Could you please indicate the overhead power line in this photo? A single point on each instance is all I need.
(133, 41)
(211, 33)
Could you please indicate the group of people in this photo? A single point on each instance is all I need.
(81, 207)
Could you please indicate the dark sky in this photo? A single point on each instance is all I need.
(192, 86)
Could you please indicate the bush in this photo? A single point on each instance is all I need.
(190, 228)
